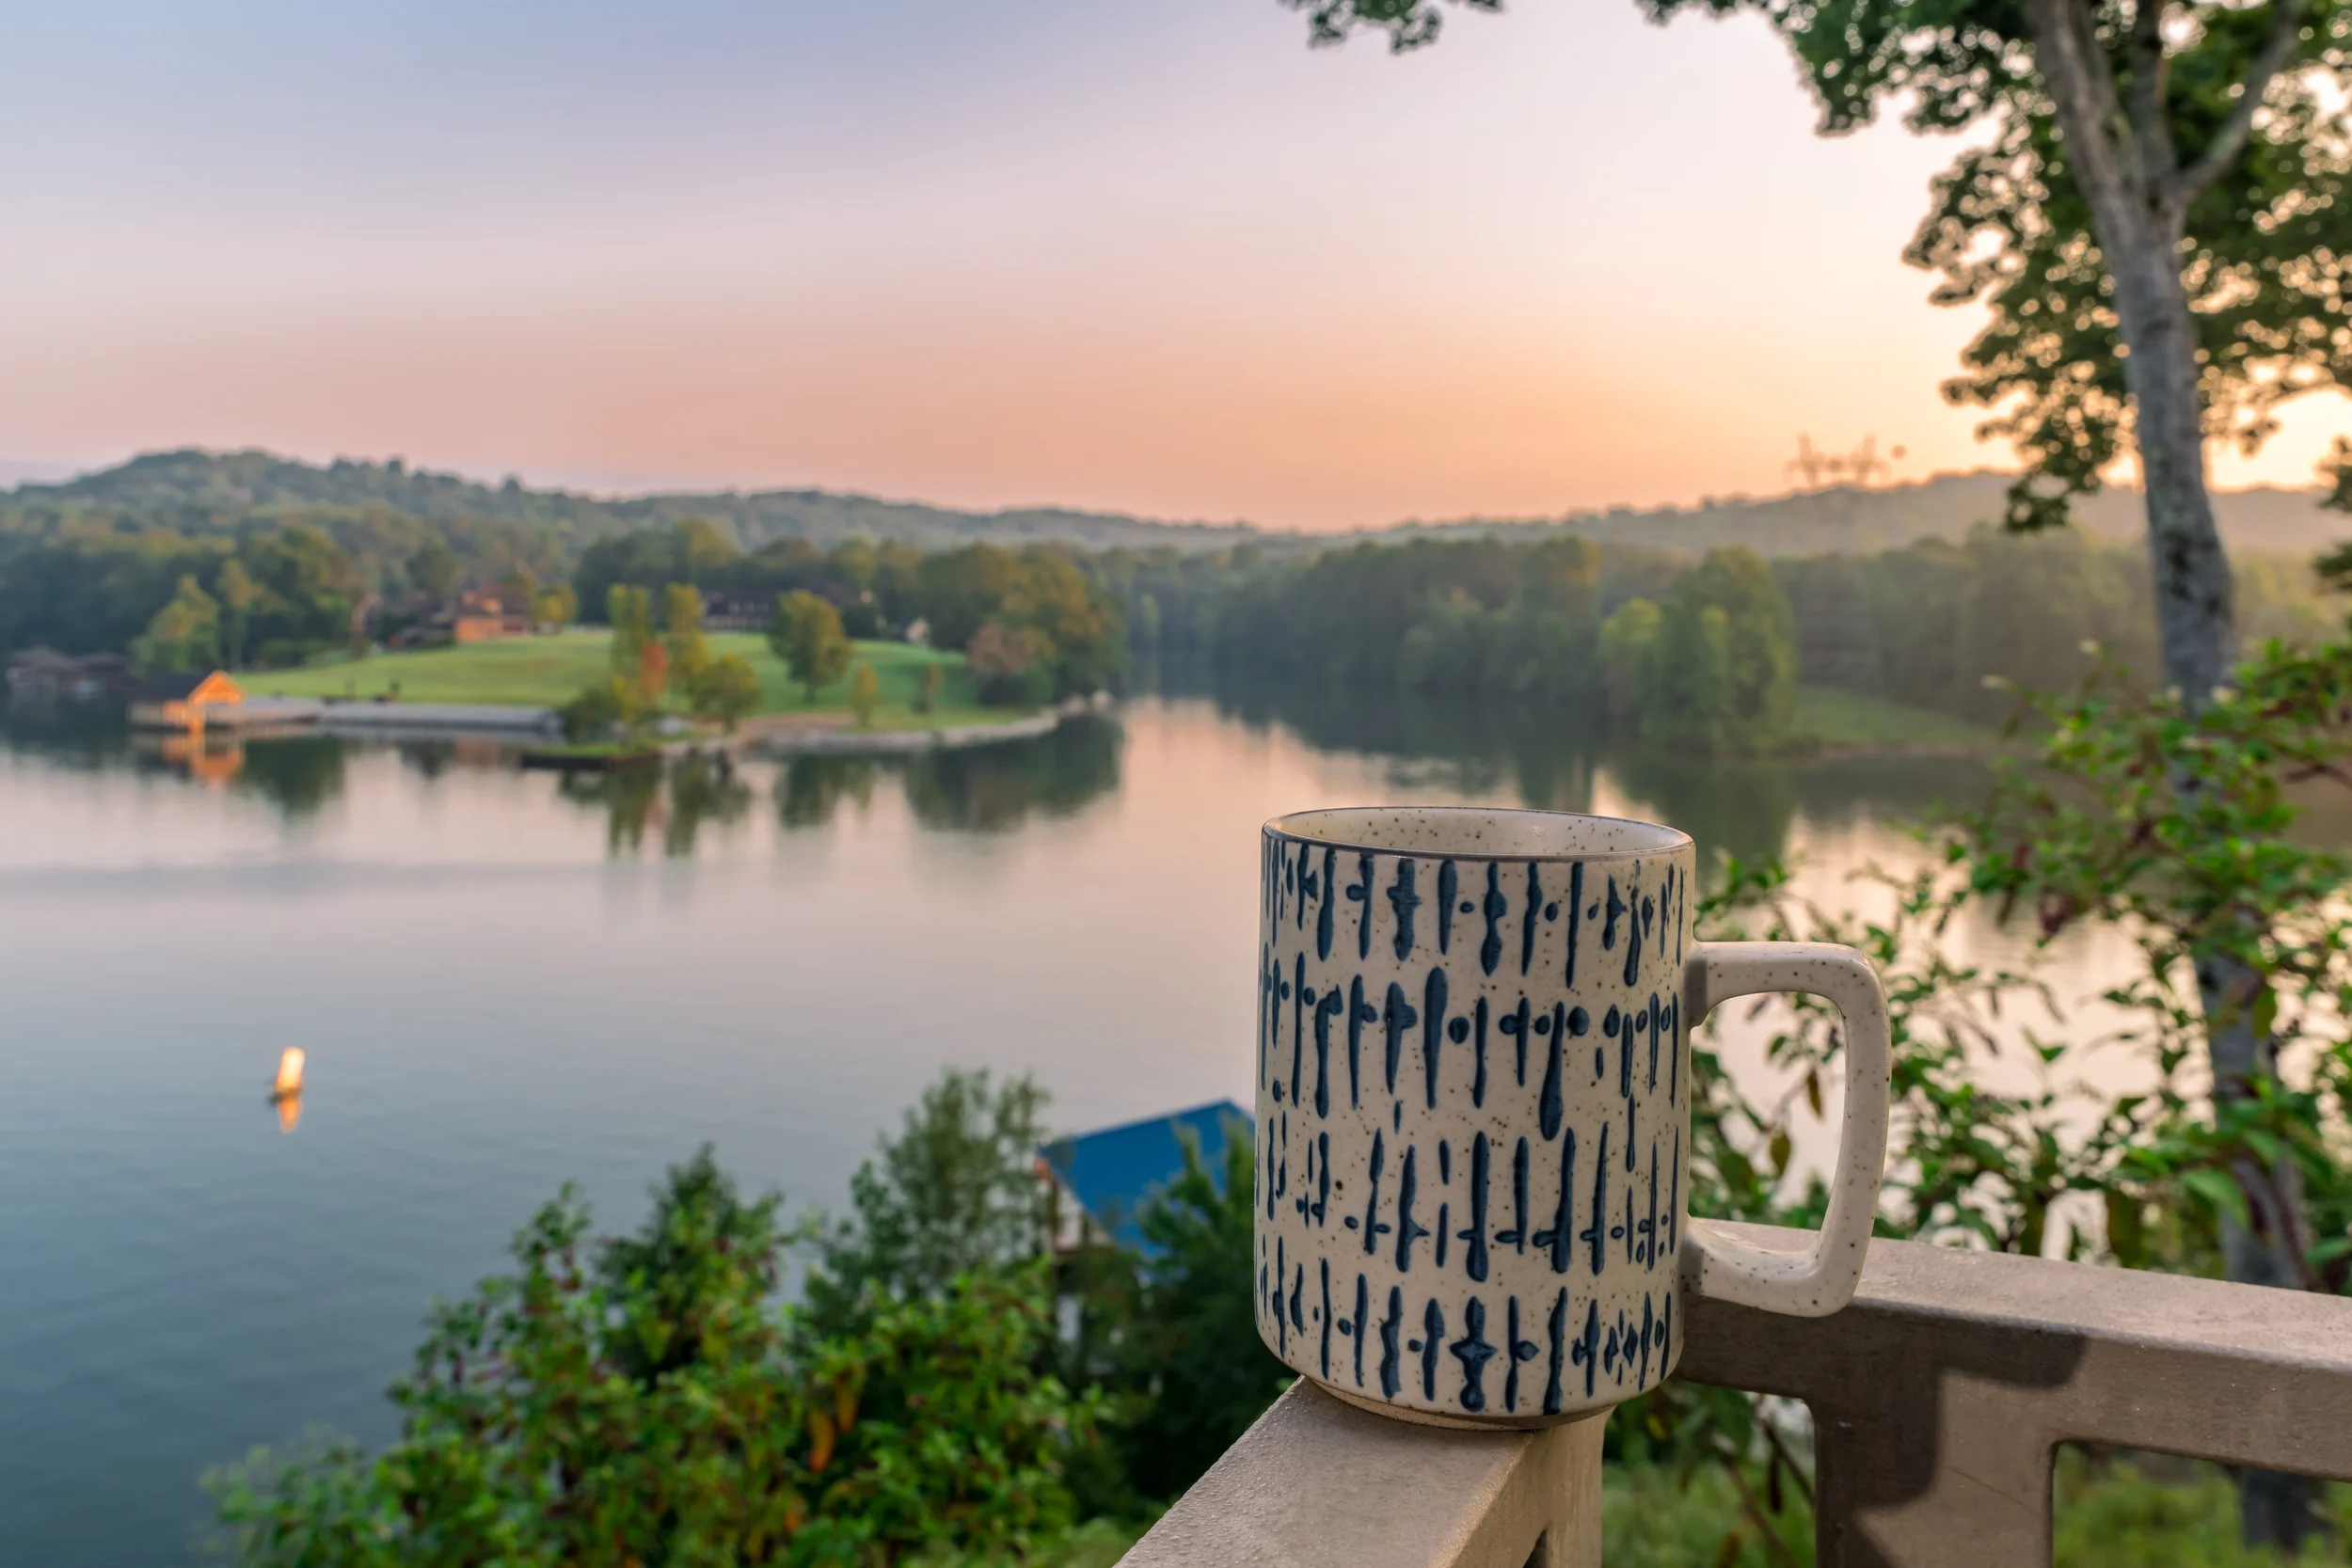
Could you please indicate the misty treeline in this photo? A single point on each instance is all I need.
(1702, 650)
(1571, 625)
(274, 589)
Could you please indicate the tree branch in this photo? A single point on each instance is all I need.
(2152, 131)
(2074, 73)
(2286, 27)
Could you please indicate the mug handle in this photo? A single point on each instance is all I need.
(1820, 1280)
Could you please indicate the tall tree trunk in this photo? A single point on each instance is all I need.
(2137, 214)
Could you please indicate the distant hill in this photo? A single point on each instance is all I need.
(1847, 521)
(197, 491)
(190, 487)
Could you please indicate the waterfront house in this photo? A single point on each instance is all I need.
(487, 618)
(1099, 1181)
(724, 611)
(180, 701)
(46, 676)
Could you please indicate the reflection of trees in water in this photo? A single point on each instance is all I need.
(681, 797)
(972, 789)
(702, 790)
(297, 774)
(1738, 808)
(1550, 759)
(810, 789)
(84, 736)
(1461, 745)
(991, 788)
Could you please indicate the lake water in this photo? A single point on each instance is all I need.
(505, 981)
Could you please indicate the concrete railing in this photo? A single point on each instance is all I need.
(1939, 1398)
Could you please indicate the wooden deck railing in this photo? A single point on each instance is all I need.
(1939, 1398)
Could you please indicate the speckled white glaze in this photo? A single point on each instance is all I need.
(1474, 1109)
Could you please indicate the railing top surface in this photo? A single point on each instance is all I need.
(1317, 1484)
(2157, 1311)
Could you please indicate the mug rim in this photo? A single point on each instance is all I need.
(1674, 841)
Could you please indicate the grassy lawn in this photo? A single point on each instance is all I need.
(1839, 719)
(545, 672)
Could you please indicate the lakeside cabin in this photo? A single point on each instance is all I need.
(46, 675)
(182, 701)
(1098, 1183)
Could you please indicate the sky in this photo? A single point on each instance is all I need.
(1150, 257)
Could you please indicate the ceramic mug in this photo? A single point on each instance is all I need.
(1473, 1097)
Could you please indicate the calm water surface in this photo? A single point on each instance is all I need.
(506, 981)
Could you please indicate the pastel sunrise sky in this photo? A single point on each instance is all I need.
(1159, 257)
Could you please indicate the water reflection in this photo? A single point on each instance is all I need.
(1736, 806)
(680, 795)
(989, 789)
(810, 789)
(995, 789)
(297, 774)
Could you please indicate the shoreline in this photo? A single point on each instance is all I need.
(426, 721)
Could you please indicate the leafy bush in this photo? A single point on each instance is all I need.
(645, 1401)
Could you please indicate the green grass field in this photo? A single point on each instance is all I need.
(546, 672)
(1840, 720)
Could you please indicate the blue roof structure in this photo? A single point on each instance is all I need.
(1112, 1172)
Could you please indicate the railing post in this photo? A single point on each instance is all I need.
(1317, 1484)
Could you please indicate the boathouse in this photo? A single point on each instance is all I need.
(180, 701)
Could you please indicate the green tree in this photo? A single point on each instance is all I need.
(1191, 1350)
(433, 570)
(1760, 642)
(1626, 641)
(728, 690)
(683, 639)
(926, 686)
(2160, 226)
(807, 638)
(643, 1401)
(865, 694)
(1076, 627)
(954, 1192)
(184, 635)
(556, 608)
(601, 704)
(238, 593)
(1008, 664)
(1687, 692)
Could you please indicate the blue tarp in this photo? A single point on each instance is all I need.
(1112, 1172)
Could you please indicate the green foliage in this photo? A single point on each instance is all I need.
(1190, 1360)
(433, 570)
(1714, 669)
(2111, 1512)
(238, 594)
(865, 694)
(2267, 218)
(601, 706)
(683, 640)
(184, 635)
(556, 608)
(645, 1401)
(728, 689)
(1627, 638)
(2175, 824)
(955, 1193)
(1054, 633)
(1008, 665)
(926, 688)
(807, 638)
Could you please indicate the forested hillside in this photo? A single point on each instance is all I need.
(199, 491)
(1898, 592)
